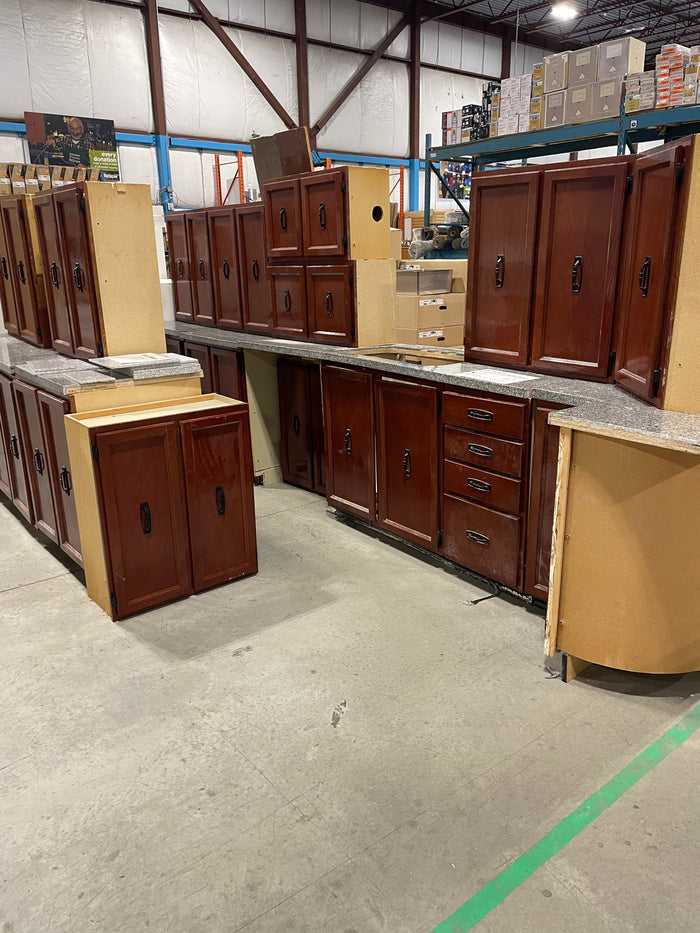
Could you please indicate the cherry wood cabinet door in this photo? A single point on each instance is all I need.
(256, 293)
(52, 411)
(69, 204)
(578, 255)
(289, 296)
(348, 415)
(26, 304)
(200, 267)
(7, 292)
(179, 256)
(331, 308)
(504, 208)
(283, 218)
(224, 263)
(543, 484)
(173, 345)
(36, 458)
(5, 455)
(220, 507)
(228, 373)
(649, 261)
(318, 443)
(407, 458)
(144, 516)
(295, 423)
(323, 213)
(17, 469)
(54, 274)
(201, 354)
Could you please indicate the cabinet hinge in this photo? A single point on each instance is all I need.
(113, 600)
(680, 173)
(611, 359)
(95, 453)
(100, 349)
(440, 539)
(629, 184)
(656, 379)
(351, 279)
(81, 205)
(343, 186)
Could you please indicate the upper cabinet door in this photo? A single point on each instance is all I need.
(256, 293)
(179, 257)
(578, 253)
(36, 459)
(21, 271)
(52, 412)
(200, 265)
(501, 265)
(70, 220)
(649, 259)
(8, 306)
(289, 296)
(323, 213)
(283, 218)
(19, 487)
(54, 274)
(221, 510)
(329, 291)
(224, 262)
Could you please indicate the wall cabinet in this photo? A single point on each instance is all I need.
(283, 218)
(331, 303)
(301, 423)
(21, 272)
(57, 295)
(200, 267)
(324, 221)
(256, 294)
(8, 305)
(179, 259)
(224, 265)
(289, 313)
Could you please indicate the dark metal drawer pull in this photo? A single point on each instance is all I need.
(296, 425)
(500, 269)
(407, 462)
(480, 450)
(643, 277)
(220, 500)
(64, 480)
(348, 441)
(145, 511)
(322, 215)
(577, 275)
(478, 538)
(38, 461)
(329, 304)
(287, 301)
(478, 484)
(180, 268)
(225, 268)
(3, 266)
(283, 218)
(20, 273)
(14, 447)
(53, 275)
(201, 268)
(78, 276)
(256, 270)
(479, 414)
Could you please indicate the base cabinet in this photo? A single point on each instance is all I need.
(17, 466)
(301, 423)
(223, 371)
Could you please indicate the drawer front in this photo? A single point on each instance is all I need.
(481, 450)
(489, 415)
(482, 540)
(497, 492)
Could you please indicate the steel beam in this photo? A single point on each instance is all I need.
(155, 78)
(302, 64)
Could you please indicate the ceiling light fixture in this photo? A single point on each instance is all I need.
(564, 11)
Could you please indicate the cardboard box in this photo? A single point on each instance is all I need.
(535, 122)
(620, 57)
(493, 129)
(5, 183)
(451, 335)
(30, 179)
(607, 96)
(538, 72)
(416, 312)
(17, 179)
(554, 106)
(524, 123)
(536, 106)
(507, 126)
(556, 72)
(583, 66)
(578, 106)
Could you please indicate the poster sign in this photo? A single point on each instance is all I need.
(56, 139)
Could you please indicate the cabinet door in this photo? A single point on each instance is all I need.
(228, 373)
(283, 218)
(36, 458)
(21, 271)
(179, 257)
(649, 259)
(318, 444)
(19, 487)
(543, 484)
(323, 213)
(144, 516)
(348, 416)
(200, 266)
(295, 423)
(256, 295)
(407, 442)
(5, 455)
(7, 292)
(330, 302)
(224, 261)
(54, 274)
(289, 297)
(501, 265)
(173, 345)
(220, 506)
(52, 412)
(201, 354)
(70, 220)
(578, 254)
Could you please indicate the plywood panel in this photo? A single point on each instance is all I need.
(368, 213)
(375, 298)
(263, 404)
(135, 393)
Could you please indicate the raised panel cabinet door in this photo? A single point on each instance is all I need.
(323, 213)
(578, 255)
(54, 274)
(295, 423)
(330, 302)
(7, 293)
(28, 317)
(649, 260)
(501, 265)
(52, 411)
(224, 262)
(283, 218)
(256, 293)
(289, 297)
(35, 458)
(19, 487)
(144, 516)
(218, 473)
(72, 231)
(200, 267)
(318, 442)
(228, 373)
(201, 354)
(179, 259)
(348, 416)
(407, 458)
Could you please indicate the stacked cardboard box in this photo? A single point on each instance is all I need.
(514, 113)
(670, 75)
(434, 320)
(640, 91)
(451, 127)
(536, 121)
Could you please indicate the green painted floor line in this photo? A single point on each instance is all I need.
(495, 892)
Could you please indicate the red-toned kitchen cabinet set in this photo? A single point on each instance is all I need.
(301, 425)
(570, 267)
(22, 292)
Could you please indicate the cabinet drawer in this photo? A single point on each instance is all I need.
(498, 492)
(492, 416)
(483, 540)
(480, 450)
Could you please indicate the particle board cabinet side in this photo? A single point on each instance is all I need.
(368, 213)
(375, 301)
(558, 538)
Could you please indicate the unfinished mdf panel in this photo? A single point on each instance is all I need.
(629, 587)
(375, 300)
(145, 391)
(368, 213)
(263, 407)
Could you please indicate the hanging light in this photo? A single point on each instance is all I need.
(564, 11)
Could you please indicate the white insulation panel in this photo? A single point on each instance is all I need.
(440, 91)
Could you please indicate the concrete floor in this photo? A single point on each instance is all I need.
(344, 743)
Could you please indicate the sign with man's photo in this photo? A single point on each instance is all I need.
(78, 142)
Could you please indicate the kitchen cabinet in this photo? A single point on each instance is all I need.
(323, 213)
(200, 353)
(54, 274)
(283, 218)
(301, 423)
(7, 293)
(17, 466)
(35, 458)
(179, 257)
(52, 412)
(224, 265)
(197, 224)
(5, 482)
(29, 300)
(228, 373)
(173, 345)
(330, 302)
(407, 460)
(256, 294)
(289, 301)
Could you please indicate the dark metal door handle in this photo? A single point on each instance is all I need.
(348, 441)
(225, 268)
(20, 273)
(322, 215)
(480, 450)
(220, 500)
(180, 268)
(478, 538)
(38, 461)
(53, 274)
(283, 218)
(296, 425)
(287, 300)
(407, 462)
(14, 447)
(577, 274)
(145, 511)
(643, 277)
(479, 414)
(64, 480)
(479, 484)
(78, 276)
(500, 269)
(256, 270)
(201, 268)
(3, 266)
(329, 304)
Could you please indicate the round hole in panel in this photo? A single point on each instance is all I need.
(377, 213)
